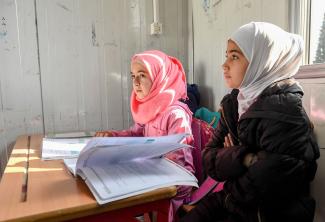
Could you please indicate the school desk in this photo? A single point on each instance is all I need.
(35, 190)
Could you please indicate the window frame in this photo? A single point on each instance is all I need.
(299, 23)
(311, 71)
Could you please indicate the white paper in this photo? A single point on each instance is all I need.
(112, 182)
(115, 141)
(62, 148)
(71, 165)
(70, 135)
(122, 153)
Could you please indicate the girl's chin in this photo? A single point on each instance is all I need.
(228, 84)
(140, 96)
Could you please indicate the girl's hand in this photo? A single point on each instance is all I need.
(249, 159)
(228, 141)
(103, 134)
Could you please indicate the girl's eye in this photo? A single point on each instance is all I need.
(142, 75)
(133, 76)
(234, 57)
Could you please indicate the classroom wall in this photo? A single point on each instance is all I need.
(213, 23)
(20, 91)
(64, 64)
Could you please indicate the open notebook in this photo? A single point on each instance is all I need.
(120, 167)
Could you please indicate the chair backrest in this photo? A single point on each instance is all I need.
(202, 132)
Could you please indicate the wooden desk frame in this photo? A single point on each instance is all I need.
(53, 194)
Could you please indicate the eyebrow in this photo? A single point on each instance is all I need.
(144, 71)
(235, 50)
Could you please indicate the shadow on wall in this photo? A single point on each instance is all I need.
(206, 92)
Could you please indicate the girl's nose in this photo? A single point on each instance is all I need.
(225, 66)
(136, 81)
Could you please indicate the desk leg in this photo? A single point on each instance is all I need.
(163, 211)
(128, 214)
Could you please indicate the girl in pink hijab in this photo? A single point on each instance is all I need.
(158, 84)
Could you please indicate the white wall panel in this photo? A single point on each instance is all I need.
(85, 51)
(20, 95)
(69, 58)
(214, 21)
(130, 33)
(113, 30)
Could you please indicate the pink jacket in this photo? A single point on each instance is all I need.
(176, 119)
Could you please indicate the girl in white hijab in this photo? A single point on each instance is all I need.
(263, 147)
(273, 55)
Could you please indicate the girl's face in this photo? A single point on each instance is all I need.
(141, 79)
(235, 66)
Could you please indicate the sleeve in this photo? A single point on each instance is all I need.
(272, 175)
(179, 121)
(222, 163)
(279, 171)
(135, 130)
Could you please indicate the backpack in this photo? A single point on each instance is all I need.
(208, 116)
(202, 132)
(193, 94)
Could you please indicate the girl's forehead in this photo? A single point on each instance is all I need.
(138, 64)
(231, 44)
(232, 47)
(137, 61)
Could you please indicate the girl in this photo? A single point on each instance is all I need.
(158, 85)
(263, 147)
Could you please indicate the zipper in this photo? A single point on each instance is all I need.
(232, 134)
(259, 215)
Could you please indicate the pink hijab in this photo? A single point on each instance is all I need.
(168, 85)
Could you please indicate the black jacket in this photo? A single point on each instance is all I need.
(277, 130)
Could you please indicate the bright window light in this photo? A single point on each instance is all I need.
(317, 32)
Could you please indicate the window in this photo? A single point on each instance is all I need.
(317, 32)
(307, 18)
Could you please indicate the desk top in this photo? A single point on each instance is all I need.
(52, 193)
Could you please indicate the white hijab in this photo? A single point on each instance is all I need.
(273, 55)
